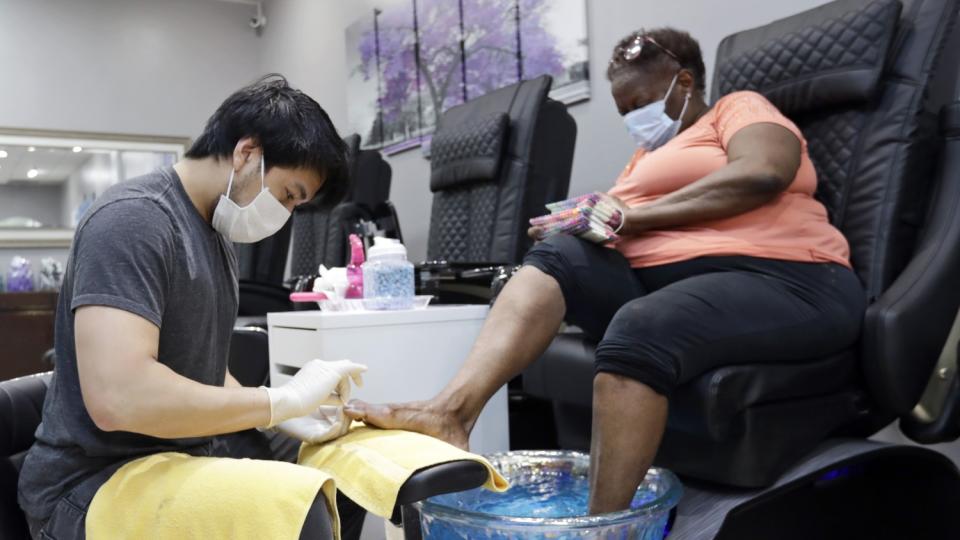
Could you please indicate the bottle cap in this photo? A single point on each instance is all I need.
(386, 247)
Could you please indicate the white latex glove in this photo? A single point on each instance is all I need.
(312, 387)
(324, 424)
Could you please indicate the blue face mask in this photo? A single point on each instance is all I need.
(650, 126)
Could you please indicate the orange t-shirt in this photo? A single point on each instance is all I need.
(791, 227)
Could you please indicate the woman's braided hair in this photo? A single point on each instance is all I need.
(678, 42)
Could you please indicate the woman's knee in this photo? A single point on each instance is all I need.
(595, 280)
(640, 344)
(557, 255)
(577, 265)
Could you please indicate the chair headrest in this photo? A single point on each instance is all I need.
(830, 55)
(467, 152)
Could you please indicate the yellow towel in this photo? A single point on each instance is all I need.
(370, 465)
(174, 495)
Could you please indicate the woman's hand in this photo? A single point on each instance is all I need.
(624, 212)
(536, 232)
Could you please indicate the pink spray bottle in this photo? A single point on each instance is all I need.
(354, 271)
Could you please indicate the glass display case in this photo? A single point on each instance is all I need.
(48, 179)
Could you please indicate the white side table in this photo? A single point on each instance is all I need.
(410, 355)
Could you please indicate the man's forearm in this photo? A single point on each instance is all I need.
(125, 388)
(162, 403)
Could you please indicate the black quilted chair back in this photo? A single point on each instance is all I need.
(21, 404)
(264, 261)
(855, 82)
(495, 162)
(319, 235)
(856, 76)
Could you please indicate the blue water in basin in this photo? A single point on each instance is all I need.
(548, 500)
(560, 496)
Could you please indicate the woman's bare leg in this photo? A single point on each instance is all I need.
(521, 324)
(628, 423)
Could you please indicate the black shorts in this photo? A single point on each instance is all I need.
(664, 325)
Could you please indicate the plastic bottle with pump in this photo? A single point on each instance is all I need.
(355, 269)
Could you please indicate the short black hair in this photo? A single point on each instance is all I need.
(293, 130)
(676, 41)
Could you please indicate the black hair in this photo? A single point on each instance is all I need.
(293, 130)
(680, 43)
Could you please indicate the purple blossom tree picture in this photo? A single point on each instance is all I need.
(410, 60)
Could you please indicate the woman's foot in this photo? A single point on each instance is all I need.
(428, 417)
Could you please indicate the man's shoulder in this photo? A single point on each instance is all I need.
(135, 206)
(127, 217)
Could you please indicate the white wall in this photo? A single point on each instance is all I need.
(136, 66)
(305, 40)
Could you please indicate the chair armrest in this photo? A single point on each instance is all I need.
(250, 322)
(443, 478)
(906, 328)
(936, 418)
(460, 282)
(464, 270)
(943, 428)
(21, 406)
(438, 479)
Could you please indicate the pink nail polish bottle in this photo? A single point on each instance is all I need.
(354, 271)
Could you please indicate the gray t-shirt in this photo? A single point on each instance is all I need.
(143, 248)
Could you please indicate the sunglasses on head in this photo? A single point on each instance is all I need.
(633, 50)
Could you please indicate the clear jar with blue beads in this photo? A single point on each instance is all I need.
(387, 276)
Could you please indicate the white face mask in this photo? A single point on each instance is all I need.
(261, 218)
(650, 126)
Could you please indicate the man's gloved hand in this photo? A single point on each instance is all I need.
(322, 425)
(312, 387)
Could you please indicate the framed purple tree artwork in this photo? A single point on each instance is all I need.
(410, 60)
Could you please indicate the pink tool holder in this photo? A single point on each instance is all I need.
(307, 297)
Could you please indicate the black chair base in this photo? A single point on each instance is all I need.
(843, 489)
